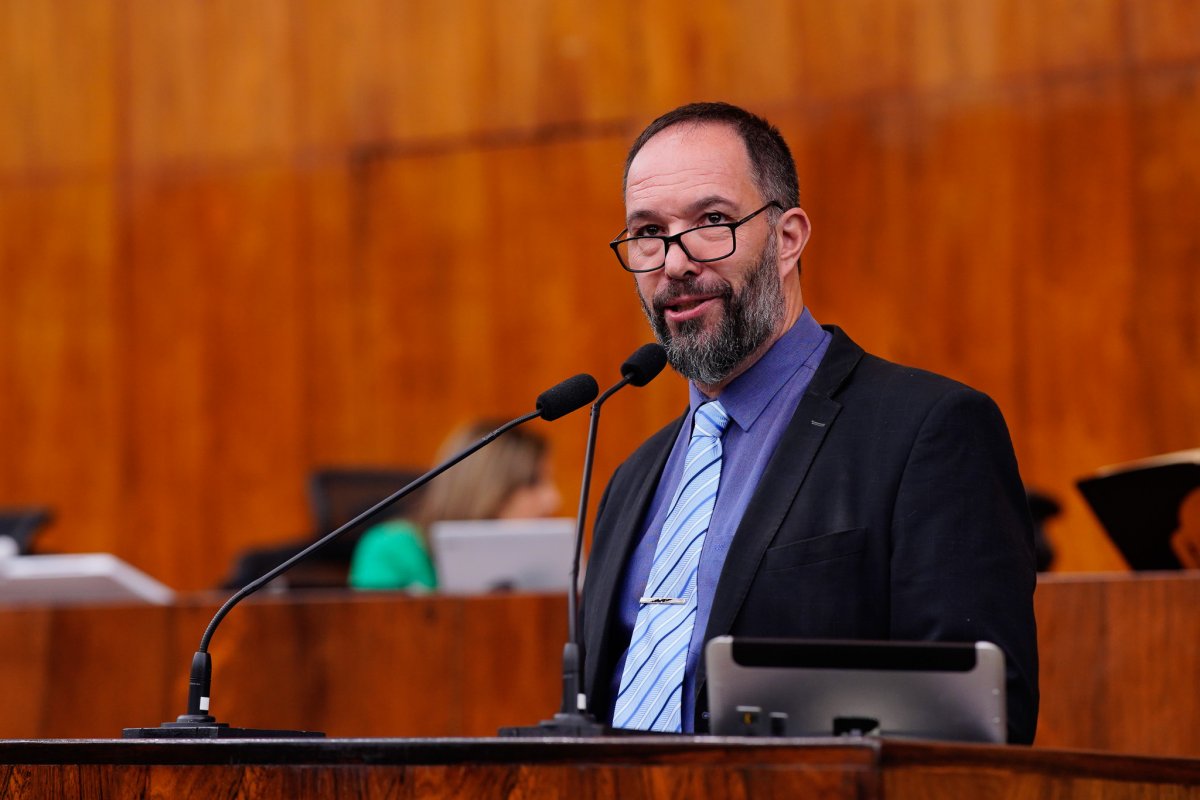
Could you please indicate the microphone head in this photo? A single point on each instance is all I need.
(645, 364)
(573, 393)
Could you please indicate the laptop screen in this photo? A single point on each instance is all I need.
(481, 556)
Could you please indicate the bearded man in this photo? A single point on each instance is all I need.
(811, 490)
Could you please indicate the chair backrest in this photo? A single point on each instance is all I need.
(338, 494)
(23, 524)
(1042, 507)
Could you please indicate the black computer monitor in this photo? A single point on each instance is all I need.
(23, 524)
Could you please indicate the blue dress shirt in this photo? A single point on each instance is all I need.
(760, 403)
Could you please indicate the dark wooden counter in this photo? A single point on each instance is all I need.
(1120, 664)
(634, 767)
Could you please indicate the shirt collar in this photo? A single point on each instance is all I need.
(748, 394)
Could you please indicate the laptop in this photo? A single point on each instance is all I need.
(483, 556)
(75, 578)
(914, 690)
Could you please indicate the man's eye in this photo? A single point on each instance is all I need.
(648, 230)
(714, 218)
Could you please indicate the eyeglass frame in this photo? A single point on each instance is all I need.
(676, 239)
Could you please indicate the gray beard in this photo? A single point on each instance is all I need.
(751, 317)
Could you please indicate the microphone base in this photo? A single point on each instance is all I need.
(566, 726)
(190, 726)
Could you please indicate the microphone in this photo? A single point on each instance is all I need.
(563, 398)
(557, 401)
(641, 367)
(573, 718)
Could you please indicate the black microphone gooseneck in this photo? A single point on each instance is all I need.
(197, 723)
(573, 717)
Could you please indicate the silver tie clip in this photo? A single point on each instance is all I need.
(661, 601)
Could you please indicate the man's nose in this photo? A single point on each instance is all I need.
(677, 263)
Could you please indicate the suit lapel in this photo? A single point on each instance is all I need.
(780, 483)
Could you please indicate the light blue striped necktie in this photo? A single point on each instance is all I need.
(652, 681)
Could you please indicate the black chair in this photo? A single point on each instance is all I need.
(1042, 507)
(339, 494)
(336, 496)
(23, 524)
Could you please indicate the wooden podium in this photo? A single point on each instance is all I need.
(626, 768)
(1119, 654)
(1120, 658)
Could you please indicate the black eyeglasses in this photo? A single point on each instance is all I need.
(701, 244)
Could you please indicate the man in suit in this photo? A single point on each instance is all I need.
(846, 496)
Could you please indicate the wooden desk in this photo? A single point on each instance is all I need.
(1120, 664)
(639, 767)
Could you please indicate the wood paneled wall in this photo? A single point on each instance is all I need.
(242, 238)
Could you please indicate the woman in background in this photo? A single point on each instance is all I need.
(508, 479)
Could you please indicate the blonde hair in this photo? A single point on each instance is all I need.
(478, 487)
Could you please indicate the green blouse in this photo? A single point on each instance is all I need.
(392, 556)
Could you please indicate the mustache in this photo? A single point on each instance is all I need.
(673, 290)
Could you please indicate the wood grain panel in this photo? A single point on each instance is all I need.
(862, 49)
(476, 302)
(976, 780)
(894, 233)
(1118, 658)
(1074, 309)
(1073, 641)
(959, 44)
(28, 642)
(379, 71)
(1170, 646)
(554, 769)
(1118, 661)
(213, 359)
(60, 388)
(105, 666)
(1165, 296)
(1164, 31)
(847, 50)
(240, 240)
(77, 671)
(432, 768)
(58, 94)
(332, 337)
(304, 666)
(208, 81)
(744, 53)
(421, 234)
(510, 648)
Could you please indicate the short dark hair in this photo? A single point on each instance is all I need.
(772, 168)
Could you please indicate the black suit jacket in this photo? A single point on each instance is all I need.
(891, 509)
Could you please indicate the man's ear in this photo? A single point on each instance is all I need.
(794, 230)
